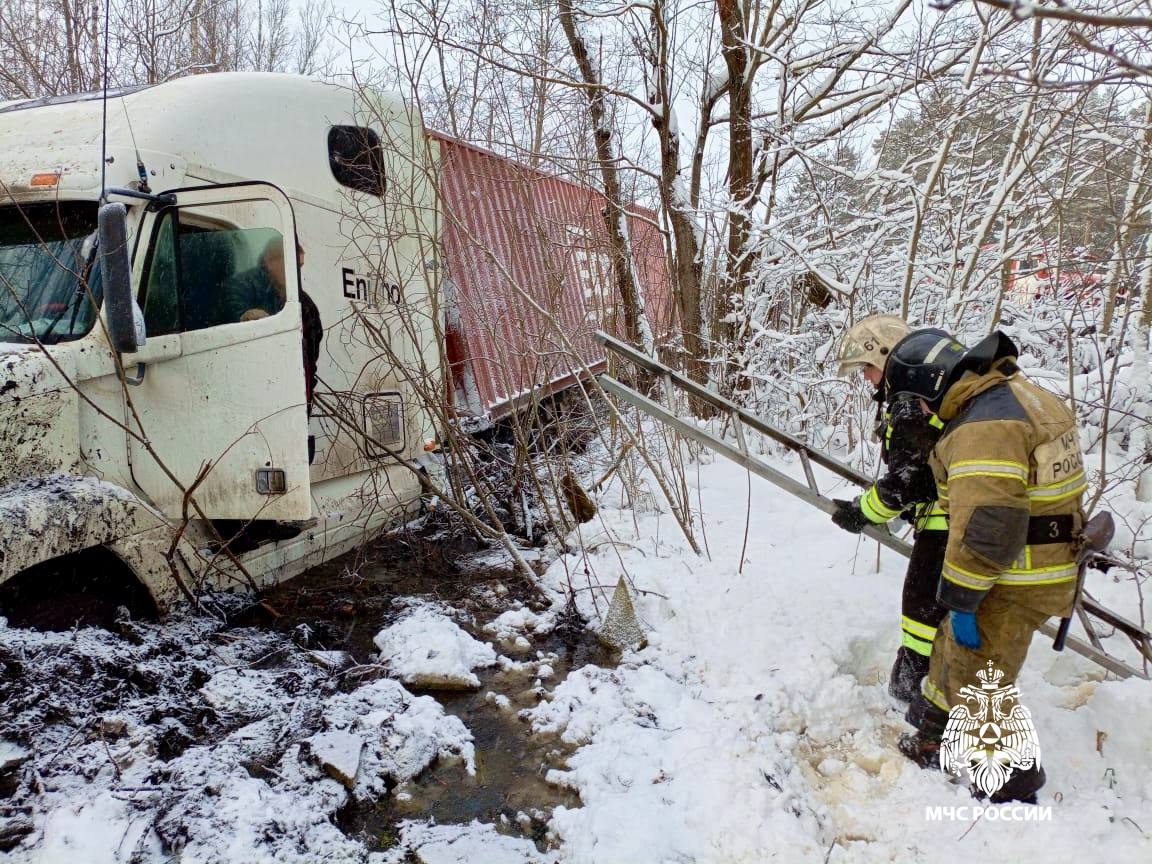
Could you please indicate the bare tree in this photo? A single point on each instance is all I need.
(52, 47)
(315, 48)
(636, 327)
(49, 47)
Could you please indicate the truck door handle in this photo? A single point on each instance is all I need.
(141, 368)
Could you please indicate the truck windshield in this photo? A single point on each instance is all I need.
(49, 278)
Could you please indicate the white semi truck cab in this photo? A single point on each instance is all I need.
(152, 391)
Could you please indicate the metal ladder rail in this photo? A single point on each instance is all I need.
(810, 495)
(1140, 637)
(807, 453)
(736, 454)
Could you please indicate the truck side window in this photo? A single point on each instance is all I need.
(161, 300)
(223, 281)
(204, 274)
(356, 159)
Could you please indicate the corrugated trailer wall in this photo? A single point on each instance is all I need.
(510, 233)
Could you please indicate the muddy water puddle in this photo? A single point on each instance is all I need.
(342, 605)
(510, 788)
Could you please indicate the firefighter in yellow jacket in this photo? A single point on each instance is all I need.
(1010, 474)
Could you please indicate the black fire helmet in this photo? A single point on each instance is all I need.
(924, 364)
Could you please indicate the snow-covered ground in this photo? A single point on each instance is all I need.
(756, 725)
(219, 746)
(426, 649)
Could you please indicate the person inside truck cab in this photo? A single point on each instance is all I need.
(261, 291)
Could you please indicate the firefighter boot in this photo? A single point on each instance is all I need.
(907, 672)
(923, 747)
(1022, 786)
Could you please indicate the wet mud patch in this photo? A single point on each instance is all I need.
(342, 606)
(135, 732)
(153, 741)
(510, 789)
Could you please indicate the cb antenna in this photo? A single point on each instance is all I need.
(141, 170)
(104, 127)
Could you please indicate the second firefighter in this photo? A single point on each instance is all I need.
(907, 488)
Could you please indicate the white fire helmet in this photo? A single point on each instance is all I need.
(869, 342)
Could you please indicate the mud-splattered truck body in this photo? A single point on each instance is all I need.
(209, 421)
(436, 267)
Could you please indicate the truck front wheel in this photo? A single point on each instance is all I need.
(82, 589)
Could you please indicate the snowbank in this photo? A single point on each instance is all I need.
(756, 725)
(428, 650)
(507, 626)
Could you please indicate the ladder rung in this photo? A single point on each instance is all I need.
(808, 473)
(738, 427)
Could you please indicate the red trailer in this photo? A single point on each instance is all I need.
(514, 236)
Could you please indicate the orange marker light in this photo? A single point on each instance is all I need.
(42, 180)
(429, 446)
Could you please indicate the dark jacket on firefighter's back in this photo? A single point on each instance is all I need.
(907, 436)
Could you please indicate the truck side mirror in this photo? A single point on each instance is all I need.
(116, 277)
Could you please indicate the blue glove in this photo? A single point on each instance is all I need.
(964, 629)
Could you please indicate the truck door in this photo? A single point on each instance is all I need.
(222, 397)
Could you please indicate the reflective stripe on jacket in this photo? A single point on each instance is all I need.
(1010, 452)
(931, 517)
(916, 635)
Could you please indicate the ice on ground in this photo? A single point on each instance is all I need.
(518, 622)
(426, 649)
(251, 794)
(331, 661)
(498, 699)
(476, 843)
(587, 701)
(12, 755)
(247, 694)
(338, 753)
(403, 733)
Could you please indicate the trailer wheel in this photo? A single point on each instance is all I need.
(82, 589)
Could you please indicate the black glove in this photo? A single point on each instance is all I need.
(1100, 562)
(849, 516)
